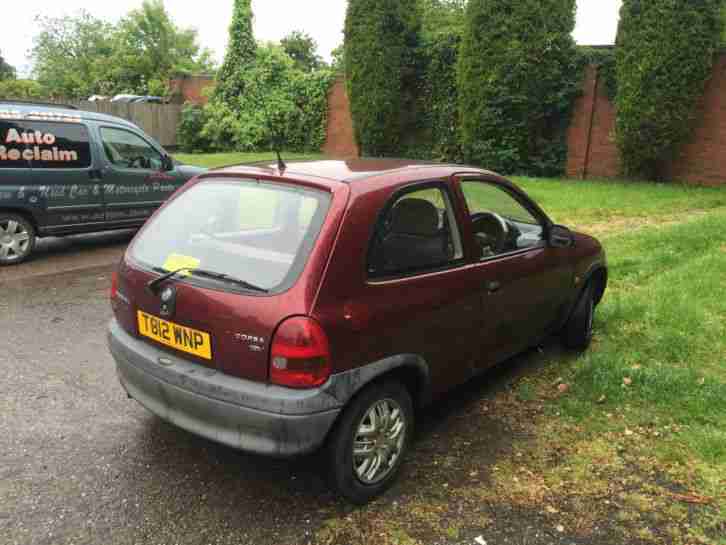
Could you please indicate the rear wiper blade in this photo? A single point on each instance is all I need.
(227, 278)
(154, 284)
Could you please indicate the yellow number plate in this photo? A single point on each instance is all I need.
(177, 336)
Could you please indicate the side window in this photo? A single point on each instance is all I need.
(416, 233)
(125, 149)
(500, 224)
(44, 144)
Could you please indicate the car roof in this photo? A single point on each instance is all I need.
(346, 171)
(59, 112)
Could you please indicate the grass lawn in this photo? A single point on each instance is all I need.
(625, 443)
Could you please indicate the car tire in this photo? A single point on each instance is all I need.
(17, 239)
(388, 441)
(577, 333)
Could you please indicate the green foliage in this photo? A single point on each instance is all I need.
(240, 53)
(302, 48)
(338, 55)
(518, 77)
(73, 55)
(436, 133)
(6, 71)
(190, 129)
(149, 49)
(665, 55)
(78, 56)
(380, 64)
(22, 89)
(281, 105)
(442, 17)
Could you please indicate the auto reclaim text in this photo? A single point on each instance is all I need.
(36, 139)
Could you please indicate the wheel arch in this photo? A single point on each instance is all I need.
(25, 213)
(409, 369)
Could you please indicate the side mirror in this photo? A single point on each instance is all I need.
(167, 163)
(560, 237)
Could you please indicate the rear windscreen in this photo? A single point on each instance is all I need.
(259, 232)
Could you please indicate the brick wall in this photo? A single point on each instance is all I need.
(190, 89)
(701, 161)
(340, 140)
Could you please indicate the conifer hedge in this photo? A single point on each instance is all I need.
(241, 52)
(380, 57)
(664, 56)
(518, 76)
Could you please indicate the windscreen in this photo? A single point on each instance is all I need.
(258, 232)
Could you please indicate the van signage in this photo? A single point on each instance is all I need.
(10, 150)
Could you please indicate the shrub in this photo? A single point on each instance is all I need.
(379, 56)
(190, 136)
(280, 102)
(665, 52)
(518, 77)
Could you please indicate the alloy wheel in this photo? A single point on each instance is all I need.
(15, 240)
(379, 441)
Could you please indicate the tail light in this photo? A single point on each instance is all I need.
(114, 286)
(300, 354)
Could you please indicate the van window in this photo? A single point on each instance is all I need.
(44, 144)
(48, 144)
(125, 149)
(259, 232)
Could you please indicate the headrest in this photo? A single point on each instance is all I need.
(415, 217)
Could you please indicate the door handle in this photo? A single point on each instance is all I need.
(493, 286)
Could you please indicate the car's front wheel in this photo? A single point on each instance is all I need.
(577, 333)
(369, 442)
(17, 239)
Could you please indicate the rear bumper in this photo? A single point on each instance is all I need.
(245, 415)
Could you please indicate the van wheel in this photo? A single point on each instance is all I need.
(17, 239)
(577, 333)
(367, 447)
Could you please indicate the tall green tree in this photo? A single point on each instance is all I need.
(664, 56)
(380, 44)
(79, 55)
(240, 55)
(6, 71)
(517, 80)
(149, 48)
(303, 49)
(72, 55)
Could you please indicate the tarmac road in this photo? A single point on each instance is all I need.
(80, 463)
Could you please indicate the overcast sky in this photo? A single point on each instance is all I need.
(323, 19)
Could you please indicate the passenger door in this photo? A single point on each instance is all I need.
(134, 177)
(65, 185)
(420, 295)
(522, 281)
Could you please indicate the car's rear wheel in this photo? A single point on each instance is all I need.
(367, 447)
(577, 333)
(17, 239)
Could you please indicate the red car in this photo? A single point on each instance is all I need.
(279, 310)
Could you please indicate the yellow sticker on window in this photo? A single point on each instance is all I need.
(177, 261)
